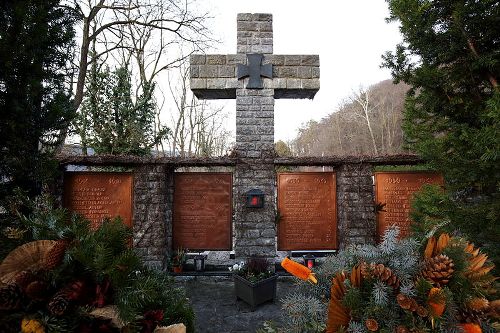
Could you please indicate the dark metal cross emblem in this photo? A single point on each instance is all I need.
(255, 70)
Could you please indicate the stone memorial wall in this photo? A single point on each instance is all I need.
(320, 211)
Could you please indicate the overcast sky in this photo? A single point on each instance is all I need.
(349, 35)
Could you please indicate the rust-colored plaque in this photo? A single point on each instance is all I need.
(307, 205)
(395, 190)
(97, 195)
(202, 211)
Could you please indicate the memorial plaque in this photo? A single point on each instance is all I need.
(308, 209)
(202, 211)
(395, 190)
(97, 195)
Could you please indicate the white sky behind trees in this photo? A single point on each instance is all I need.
(350, 37)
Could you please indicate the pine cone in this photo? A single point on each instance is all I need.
(58, 304)
(438, 270)
(404, 301)
(10, 297)
(402, 329)
(37, 290)
(56, 254)
(422, 312)
(380, 272)
(371, 324)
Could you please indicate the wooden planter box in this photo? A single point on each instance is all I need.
(255, 293)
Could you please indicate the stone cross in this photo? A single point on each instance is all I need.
(254, 76)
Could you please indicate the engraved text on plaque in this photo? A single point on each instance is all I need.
(307, 206)
(395, 190)
(97, 195)
(202, 211)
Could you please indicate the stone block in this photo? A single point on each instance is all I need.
(310, 84)
(247, 25)
(243, 40)
(208, 71)
(304, 72)
(276, 60)
(266, 41)
(268, 233)
(261, 49)
(197, 59)
(315, 72)
(293, 83)
(265, 26)
(245, 100)
(227, 71)
(216, 59)
(194, 71)
(309, 60)
(198, 83)
(244, 34)
(292, 60)
(233, 84)
(286, 72)
(262, 17)
(243, 49)
(264, 130)
(232, 59)
(244, 17)
(216, 83)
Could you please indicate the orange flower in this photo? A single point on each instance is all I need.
(298, 270)
(437, 307)
(471, 328)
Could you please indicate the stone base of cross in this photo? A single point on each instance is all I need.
(254, 77)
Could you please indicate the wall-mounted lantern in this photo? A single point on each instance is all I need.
(309, 261)
(255, 198)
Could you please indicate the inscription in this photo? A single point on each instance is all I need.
(99, 195)
(202, 211)
(395, 190)
(307, 206)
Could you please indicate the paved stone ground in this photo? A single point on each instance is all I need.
(217, 309)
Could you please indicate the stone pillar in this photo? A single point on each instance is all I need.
(355, 204)
(153, 195)
(255, 230)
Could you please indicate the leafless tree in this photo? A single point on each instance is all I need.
(144, 29)
(197, 128)
(367, 122)
(366, 108)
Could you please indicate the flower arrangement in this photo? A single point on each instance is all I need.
(76, 279)
(254, 269)
(443, 285)
(179, 257)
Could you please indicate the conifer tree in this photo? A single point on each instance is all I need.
(450, 56)
(112, 121)
(36, 40)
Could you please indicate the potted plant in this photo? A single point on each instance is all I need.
(254, 281)
(178, 260)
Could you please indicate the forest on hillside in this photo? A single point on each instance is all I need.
(368, 122)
